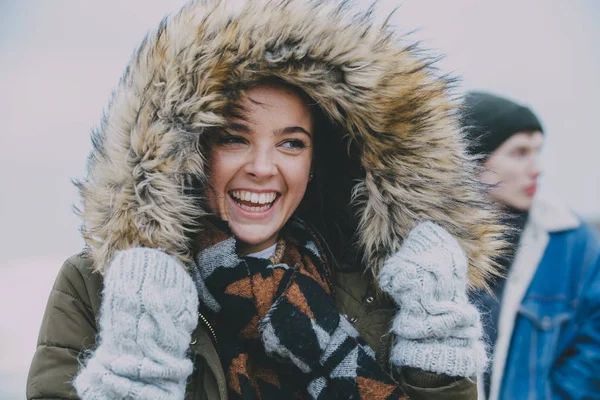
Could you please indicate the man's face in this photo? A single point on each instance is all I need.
(514, 168)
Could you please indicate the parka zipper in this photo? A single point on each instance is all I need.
(222, 384)
(212, 331)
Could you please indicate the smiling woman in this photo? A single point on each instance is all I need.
(274, 186)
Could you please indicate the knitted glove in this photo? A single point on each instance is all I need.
(436, 328)
(148, 313)
(303, 326)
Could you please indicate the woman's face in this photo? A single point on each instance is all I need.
(259, 169)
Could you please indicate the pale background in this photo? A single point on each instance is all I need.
(61, 59)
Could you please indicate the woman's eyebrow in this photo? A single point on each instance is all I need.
(239, 127)
(292, 129)
(243, 128)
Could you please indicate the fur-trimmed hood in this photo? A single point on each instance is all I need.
(379, 93)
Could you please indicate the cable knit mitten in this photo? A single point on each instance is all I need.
(436, 328)
(148, 313)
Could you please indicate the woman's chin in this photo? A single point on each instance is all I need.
(253, 238)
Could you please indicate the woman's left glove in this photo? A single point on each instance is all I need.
(148, 313)
(436, 328)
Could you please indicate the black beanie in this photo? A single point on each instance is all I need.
(489, 120)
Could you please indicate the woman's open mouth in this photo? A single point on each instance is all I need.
(254, 202)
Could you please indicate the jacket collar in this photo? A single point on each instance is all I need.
(552, 216)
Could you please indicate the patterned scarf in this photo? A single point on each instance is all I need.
(279, 333)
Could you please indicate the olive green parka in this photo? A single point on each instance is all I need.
(69, 330)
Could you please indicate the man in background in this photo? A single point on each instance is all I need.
(543, 317)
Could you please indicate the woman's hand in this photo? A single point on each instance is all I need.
(436, 328)
(148, 313)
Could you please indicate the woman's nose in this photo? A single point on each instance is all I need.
(261, 164)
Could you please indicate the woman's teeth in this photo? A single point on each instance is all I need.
(263, 201)
(255, 209)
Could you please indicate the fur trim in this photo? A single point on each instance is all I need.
(382, 94)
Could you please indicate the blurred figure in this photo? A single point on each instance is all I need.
(543, 318)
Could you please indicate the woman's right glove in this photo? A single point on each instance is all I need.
(436, 328)
(148, 313)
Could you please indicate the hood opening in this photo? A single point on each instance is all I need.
(395, 155)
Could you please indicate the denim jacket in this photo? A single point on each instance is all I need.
(548, 344)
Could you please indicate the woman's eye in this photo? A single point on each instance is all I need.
(294, 144)
(231, 140)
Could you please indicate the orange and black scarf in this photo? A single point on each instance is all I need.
(279, 333)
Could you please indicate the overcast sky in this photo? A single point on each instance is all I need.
(61, 59)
